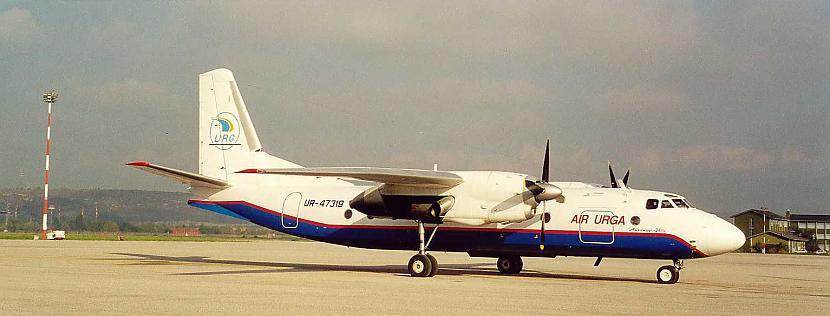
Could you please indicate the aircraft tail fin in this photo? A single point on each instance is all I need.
(228, 141)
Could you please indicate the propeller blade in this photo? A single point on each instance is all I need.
(546, 164)
(625, 178)
(542, 232)
(614, 183)
(543, 191)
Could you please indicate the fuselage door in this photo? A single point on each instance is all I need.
(598, 226)
(291, 210)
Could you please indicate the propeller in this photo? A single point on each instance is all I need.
(543, 190)
(625, 178)
(614, 183)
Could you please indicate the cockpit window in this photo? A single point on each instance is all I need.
(688, 203)
(680, 203)
(666, 204)
(652, 204)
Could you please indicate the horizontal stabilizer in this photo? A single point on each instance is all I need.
(384, 175)
(189, 178)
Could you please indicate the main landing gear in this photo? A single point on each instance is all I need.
(423, 264)
(509, 264)
(670, 274)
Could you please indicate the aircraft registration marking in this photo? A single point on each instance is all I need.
(325, 203)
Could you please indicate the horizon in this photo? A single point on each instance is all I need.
(722, 215)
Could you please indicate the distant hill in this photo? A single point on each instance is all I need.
(127, 206)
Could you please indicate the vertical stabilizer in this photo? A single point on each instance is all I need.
(227, 139)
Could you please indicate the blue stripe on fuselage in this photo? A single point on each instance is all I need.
(484, 241)
(218, 209)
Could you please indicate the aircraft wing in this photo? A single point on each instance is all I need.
(189, 178)
(384, 175)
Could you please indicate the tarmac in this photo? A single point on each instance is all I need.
(296, 277)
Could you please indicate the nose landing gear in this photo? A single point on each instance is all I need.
(509, 264)
(670, 274)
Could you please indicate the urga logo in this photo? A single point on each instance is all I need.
(224, 131)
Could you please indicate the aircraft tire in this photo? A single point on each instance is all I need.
(510, 264)
(434, 263)
(667, 275)
(420, 266)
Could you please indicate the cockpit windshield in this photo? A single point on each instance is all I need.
(672, 203)
(680, 203)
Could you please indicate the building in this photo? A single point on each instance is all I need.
(817, 225)
(777, 242)
(786, 233)
(185, 231)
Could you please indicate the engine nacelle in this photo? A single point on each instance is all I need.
(488, 197)
(429, 208)
(513, 215)
(485, 197)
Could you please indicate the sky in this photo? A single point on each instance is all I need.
(726, 102)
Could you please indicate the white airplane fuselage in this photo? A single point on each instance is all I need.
(592, 221)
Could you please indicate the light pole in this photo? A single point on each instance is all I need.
(49, 98)
(764, 250)
(6, 226)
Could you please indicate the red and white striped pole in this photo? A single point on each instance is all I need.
(48, 97)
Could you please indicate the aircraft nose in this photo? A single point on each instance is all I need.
(735, 238)
(724, 237)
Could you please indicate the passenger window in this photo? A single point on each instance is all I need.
(652, 204)
(680, 203)
(666, 204)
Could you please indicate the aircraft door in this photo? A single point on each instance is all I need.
(596, 226)
(291, 210)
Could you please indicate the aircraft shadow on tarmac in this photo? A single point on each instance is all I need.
(481, 269)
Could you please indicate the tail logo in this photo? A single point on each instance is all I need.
(224, 131)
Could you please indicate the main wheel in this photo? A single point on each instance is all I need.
(420, 266)
(509, 264)
(434, 263)
(667, 275)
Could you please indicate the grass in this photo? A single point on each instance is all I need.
(16, 235)
(144, 237)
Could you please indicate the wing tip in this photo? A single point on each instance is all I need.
(138, 164)
(248, 171)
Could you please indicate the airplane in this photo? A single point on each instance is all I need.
(495, 214)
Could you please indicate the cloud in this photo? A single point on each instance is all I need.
(128, 93)
(18, 26)
(642, 99)
(722, 157)
(600, 31)
(793, 155)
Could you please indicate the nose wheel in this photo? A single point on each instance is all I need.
(509, 264)
(423, 264)
(670, 274)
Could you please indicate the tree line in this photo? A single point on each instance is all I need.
(80, 222)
